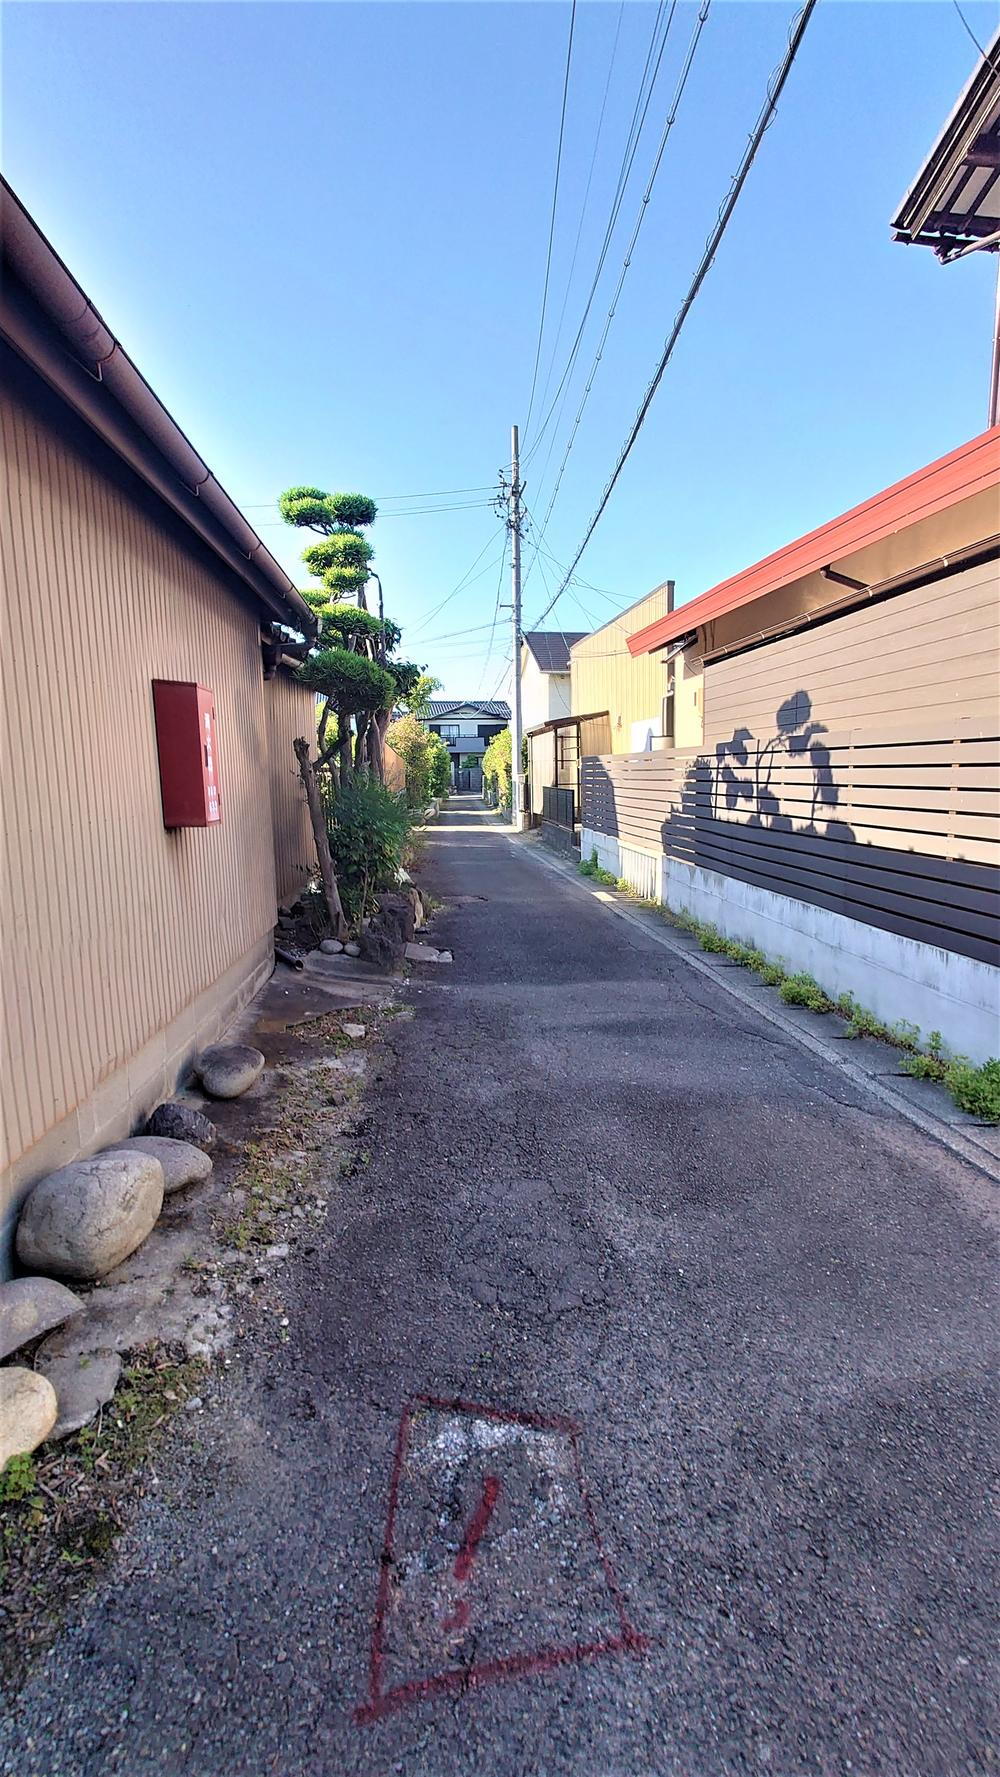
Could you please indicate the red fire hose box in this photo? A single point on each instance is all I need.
(189, 761)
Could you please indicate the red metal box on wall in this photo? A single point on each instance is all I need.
(185, 740)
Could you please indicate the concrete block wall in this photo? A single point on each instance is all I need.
(896, 978)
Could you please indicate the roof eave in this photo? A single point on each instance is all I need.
(971, 469)
(966, 120)
(96, 376)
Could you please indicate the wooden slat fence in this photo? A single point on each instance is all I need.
(899, 830)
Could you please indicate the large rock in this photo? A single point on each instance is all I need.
(229, 1069)
(86, 1218)
(382, 947)
(83, 1386)
(181, 1122)
(28, 1409)
(397, 914)
(30, 1306)
(182, 1162)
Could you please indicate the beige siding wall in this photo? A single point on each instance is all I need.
(395, 771)
(927, 659)
(112, 927)
(605, 676)
(291, 713)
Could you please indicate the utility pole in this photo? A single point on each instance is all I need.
(514, 525)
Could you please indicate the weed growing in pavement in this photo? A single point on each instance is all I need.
(802, 990)
(975, 1090)
(590, 867)
(63, 1508)
(17, 1480)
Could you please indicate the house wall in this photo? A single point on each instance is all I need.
(123, 947)
(604, 675)
(929, 656)
(534, 692)
(544, 696)
(843, 813)
(291, 713)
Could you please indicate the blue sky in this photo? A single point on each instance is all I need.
(321, 232)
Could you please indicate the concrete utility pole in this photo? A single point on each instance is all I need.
(514, 525)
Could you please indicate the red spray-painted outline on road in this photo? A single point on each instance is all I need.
(381, 1703)
(459, 1618)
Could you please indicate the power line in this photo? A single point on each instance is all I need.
(270, 524)
(552, 218)
(635, 129)
(969, 29)
(466, 580)
(586, 199)
(433, 494)
(496, 613)
(630, 249)
(774, 91)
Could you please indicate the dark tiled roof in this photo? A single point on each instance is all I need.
(551, 647)
(490, 711)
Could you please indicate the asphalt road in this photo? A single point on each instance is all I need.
(703, 1479)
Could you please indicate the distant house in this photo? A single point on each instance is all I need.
(545, 683)
(466, 727)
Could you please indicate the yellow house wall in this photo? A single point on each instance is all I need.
(604, 675)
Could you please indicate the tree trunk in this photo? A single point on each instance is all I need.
(331, 893)
(382, 721)
(346, 751)
(360, 744)
(376, 749)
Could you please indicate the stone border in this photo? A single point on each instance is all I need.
(120, 1103)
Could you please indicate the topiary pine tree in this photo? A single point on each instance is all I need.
(346, 667)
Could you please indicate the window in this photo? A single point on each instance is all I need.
(449, 731)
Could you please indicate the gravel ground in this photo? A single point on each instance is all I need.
(667, 1352)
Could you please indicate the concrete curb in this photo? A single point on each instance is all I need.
(964, 1145)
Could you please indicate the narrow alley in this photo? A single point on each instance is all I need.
(644, 1371)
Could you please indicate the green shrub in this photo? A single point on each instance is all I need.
(440, 766)
(497, 773)
(976, 1089)
(412, 741)
(368, 827)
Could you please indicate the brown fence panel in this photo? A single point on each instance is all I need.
(901, 831)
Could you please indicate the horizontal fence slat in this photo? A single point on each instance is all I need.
(899, 830)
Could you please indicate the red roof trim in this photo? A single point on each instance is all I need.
(969, 470)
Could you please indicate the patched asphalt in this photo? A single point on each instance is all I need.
(668, 1356)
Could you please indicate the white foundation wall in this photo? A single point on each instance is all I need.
(897, 979)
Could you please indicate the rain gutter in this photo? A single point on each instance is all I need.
(51, 322)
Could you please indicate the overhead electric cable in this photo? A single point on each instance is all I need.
(496, 612)
(466, 580)
(636, 127)
(434, 494)
(586, 199)
(552, 218)
(699, 26)
(774, 91)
